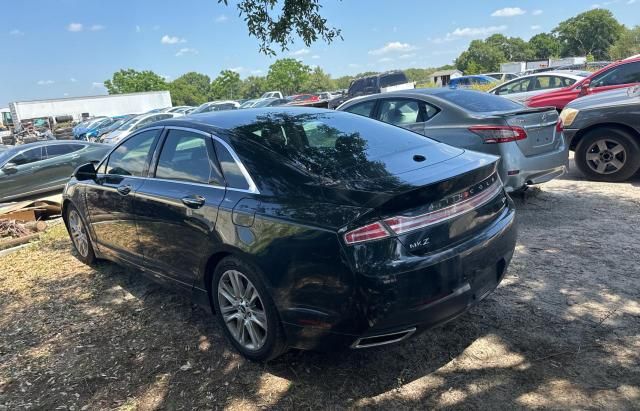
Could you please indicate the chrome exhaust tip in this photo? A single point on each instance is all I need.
(383, 339)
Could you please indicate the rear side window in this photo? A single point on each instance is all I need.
(405, 111)
(230, 168)
(362, 109)
(185, 156)
(478, 102)
(55, 150)
(131, 157)
(623, 74)
(392, 79)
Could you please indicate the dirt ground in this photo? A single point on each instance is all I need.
(562, 331)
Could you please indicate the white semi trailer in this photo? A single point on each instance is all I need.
(79, 107)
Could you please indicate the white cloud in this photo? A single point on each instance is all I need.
(65, 94)
(385, 60)
(186, 50)
(394, 46)
(595, 6)
(476, 31)
(16, 32)
(353, 65)
(221, 18)
(536, 27)
(407, 56)
(508, 12)
(165, 77)
(72, 79)
(166, 39)
(315, 56)
(300, 52)
(536, 12)
(97, 27)
(45, 82)
(256, 71)
(238, 69)
(138, 29)
(75, 27)
(97, 84)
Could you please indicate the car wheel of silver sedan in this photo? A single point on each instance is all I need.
(608, 154)
(246, 311)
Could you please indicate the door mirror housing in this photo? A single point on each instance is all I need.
(10, 168)
(585, 88)
(85, 172)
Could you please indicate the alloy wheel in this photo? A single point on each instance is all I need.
(78, 233)
(242, 309)
(606, 156)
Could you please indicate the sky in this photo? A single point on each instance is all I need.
(67, 48)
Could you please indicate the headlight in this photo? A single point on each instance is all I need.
(568, 115)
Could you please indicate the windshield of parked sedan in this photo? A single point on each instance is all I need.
(330, 145)
(478, 102)
(202, 109)
(128, 124)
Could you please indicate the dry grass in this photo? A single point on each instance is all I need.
(562, 331)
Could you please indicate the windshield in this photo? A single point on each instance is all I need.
(127, 125)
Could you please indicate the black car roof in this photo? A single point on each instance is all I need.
(220, 121)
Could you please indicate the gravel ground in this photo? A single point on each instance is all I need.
(562, 331)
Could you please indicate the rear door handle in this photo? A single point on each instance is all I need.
(193, 201)
(124, 189)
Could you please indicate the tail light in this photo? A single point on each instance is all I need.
(466, 201)
(499, 134)
(559, 126)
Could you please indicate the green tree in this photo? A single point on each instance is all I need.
(544, 46)
(294, 19)
(132, 81)
(190, 89)
(628, 44)
(318, 80)
(480, 57)
(591, 32)
(226, 86)
(287, 75)
(253, 87)
(343, 82)
(513, 48)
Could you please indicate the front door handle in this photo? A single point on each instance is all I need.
(124, 189)
(193, 201)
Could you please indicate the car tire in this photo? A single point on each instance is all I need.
(240, 311)
(79, 234)
(608, 154)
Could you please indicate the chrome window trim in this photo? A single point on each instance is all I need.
(253, 189)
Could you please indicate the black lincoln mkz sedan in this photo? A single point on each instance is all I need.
(302, 228)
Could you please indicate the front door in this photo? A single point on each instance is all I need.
(177, 206)
(110, 197)
(25, 177)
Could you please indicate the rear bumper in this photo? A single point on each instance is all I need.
(420, 293)
(535, 169)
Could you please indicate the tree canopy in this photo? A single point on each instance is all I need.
(592, 32)
(628, 44)
(271, 26)
(132, 81)
(287, 75)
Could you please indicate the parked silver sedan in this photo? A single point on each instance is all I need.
(522, 88)
(529, 140)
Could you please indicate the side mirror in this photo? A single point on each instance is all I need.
(10, 168)
(585, 88)
(85, 172)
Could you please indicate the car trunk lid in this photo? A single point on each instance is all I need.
(540, 125)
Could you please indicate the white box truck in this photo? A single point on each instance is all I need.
(79, 107)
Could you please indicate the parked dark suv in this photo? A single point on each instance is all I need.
(370, 85)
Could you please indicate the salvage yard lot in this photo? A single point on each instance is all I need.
(562, 331)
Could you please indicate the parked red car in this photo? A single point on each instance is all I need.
(622, 73)
(303, 99)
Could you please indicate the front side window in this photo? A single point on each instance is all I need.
(519, 86)
(623, 74)
(185, 157)
(28, 156)
(362, 109)
(131, 157)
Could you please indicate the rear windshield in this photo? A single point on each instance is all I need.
(479, 102)
(392, 79)
(329, 145)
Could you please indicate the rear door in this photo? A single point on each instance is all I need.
(177, 207)
(110, 197)
(60, 161)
